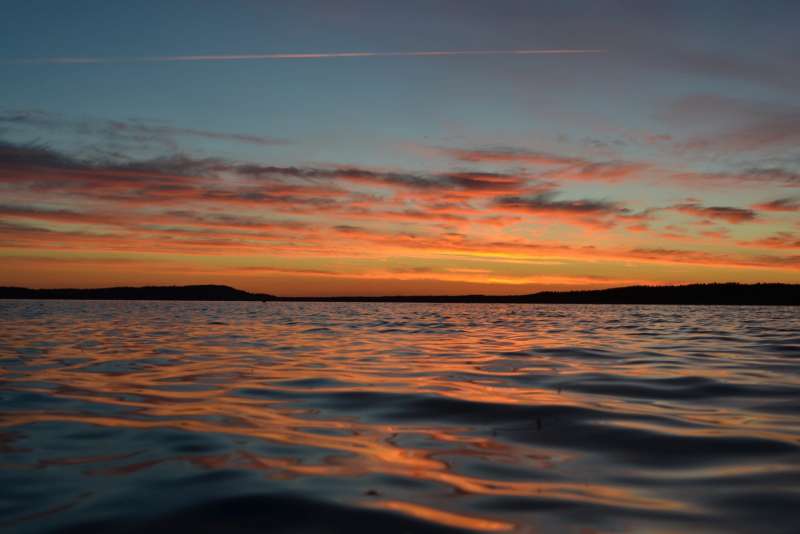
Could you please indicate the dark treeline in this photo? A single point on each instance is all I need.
(735, 294)
(731, 293)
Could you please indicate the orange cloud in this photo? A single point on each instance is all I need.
(780, 240)
(224, 218)
(780, 205)
(567, 167)
(726, 213)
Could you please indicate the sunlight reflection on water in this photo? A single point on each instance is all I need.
(327, 417)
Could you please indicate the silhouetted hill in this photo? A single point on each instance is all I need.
(196, 292)
(734, 294)
(785, 294)
(729, 293)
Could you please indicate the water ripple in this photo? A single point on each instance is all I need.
(330, 417)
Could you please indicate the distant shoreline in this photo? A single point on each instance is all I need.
(694, 294)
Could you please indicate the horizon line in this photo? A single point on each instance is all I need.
(709, 293)
(654, 285)
(290, 56)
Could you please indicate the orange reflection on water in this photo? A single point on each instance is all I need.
(442, 517)
(534, 403)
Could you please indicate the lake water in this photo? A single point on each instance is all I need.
(327, 417)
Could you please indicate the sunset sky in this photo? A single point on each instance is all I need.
(415, 147)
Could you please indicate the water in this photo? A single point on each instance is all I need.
(326, 417)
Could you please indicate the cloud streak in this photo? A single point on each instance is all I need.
(134, 130)
(563, 167)
(590, 213)
(66, 203)
(741, 125)
(730, 214)
(780, 205)
(294, 56)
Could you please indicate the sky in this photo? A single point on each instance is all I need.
(416, 147)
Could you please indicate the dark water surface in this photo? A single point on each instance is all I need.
(326, 417)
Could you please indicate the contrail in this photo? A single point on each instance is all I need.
(323, 55)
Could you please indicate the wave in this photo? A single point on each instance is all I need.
(330, 417)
